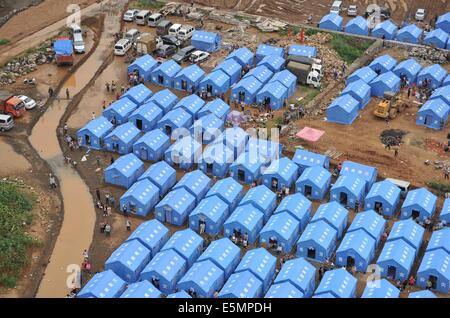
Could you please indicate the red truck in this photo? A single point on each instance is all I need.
(63, 51)
(11, 105)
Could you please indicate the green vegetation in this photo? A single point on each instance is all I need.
(349, 48)
(310, 32)
(438, 186)
(15, 216)
(4, 41)
(309, 94)
(146, 4)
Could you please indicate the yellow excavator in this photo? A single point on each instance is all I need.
(390, 106)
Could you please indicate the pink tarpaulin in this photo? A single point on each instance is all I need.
(310, 134)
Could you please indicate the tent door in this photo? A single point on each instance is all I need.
(183, 85)
(167, 212)
(415, 214)
(433, 280)
(87, 140)
(311, 253)
(266, 101)
(378, 206)
(160, 79)
(392, 271)
(168, 130)
(139, 124)
(241, 96)
(274, 184)
(428, 120)
(350, 261)
(144, 154)
(343, 198)
(133, 208)
(209, 168)
(209, 88)
(241, 175)
(308, 190)
(115, 147)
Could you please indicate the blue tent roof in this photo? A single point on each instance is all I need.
(169, 68)
(99, 126)
(150, 233)
(154, 139)
(436, 261)
(181, 294)
(127, 164)
(167, 263)
(408, 230)
(217, 107)
(273, 62)
(203, 36)
(286, 78)
(247, 215)
(138, 94)
(385, 82)
(125, 132)
(210, 124)
(123, 107)
(410, 33)
(331, 21)
(252, 163)
(422, 198)
(352, 183)
(422, 294)
(250, 84)
(261, 197)
(258, 261)
(103, 285)
(386, 190)
(284, 224)
(284, 167)
(365, 73)
(435, 73)
(345, 102)
(63, 47)
(384, 63)
(159, 173)
(229, 67)
(242, 55)
(298, 272)
(358, 26)
(268, 149)
(265, 50)
(446, 80)
(195, 182)
(193, 72)
(219, 78)
(205, 276)
(185, 242)
(359, 90)
(410, 68)
(165, 99)
(302, 50)
(317, 175)
(338, 282)
(369, 221)
(222, 252)
(227, 189)
(179, 117)
(178, 199)
(445, 213)
(142, 191)
(320, 232)
(143, 289)
(386, 28)
(442, 93)
(242, 285)
(440, 240)
(367, 173)
(380, 289)
(333, 213)
(213, 208)
(284, 290)
(150, 111)
(297, 205)
(438, 38)
(192, 104)
(360, 242)
(275, 89)
(145, 63)
(443, 22)
(261, 73)
(305, 158)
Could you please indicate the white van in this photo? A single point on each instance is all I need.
(174, 29)
(185, 32)
(154, 19)
(78, 43)
(142, 17)
(132, 35)
(336, 7)
(6, 122)
(122, 47)
(76, 29)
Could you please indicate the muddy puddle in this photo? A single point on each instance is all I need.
(16, 162)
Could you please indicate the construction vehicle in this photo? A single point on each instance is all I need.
(390, 106)
(11, 105)
(305, 74)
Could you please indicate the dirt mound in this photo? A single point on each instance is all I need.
(392, 137)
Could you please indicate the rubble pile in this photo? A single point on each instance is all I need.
(319, 38)
(270, 25)
(430, 55)
(392, 137)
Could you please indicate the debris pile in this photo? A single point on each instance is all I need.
(430, 55)
(319, 38)
(392, 137)
(270, 25)
(436, 147)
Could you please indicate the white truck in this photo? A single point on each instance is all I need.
(305, 74)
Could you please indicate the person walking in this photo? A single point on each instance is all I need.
(85, 255)
(50, 92)
(67, 93)
(107, 229)
(52, 181)
(128, 224)
(97, 192)
(107, 87)
(446, 173)
(396, 152)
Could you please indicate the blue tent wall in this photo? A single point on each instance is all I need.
(283, 290)
(122, 138)
(162, 175)
(384, 83)
(175, 207)
(264, 50)
(165, 100)
(216, 107)
(262, 198)
(396, 260)
(358, 246)
(204, 278)
(249, 86)
(217, 83)
(146, 116)
(343, 110)
(151, 146)
(385, 193)
(189, 78)
(284, 228)
(207, 128)
(360, 91)
(317, 179)
(229, 190)
(331, 22)
(140, 199)
(383, 64)
(381, 288)
(187, 243)
(302, 50)
(246, 168)
(232, 68)
(357, 26)
(275, 93)
(367, 173)
(350, 188)
(442, 93)
(437, 38)
(143, 289)
(152, 234)
(410, 33)
(138, 94)
(370, 222)
(298, 206)
(224, 254)
(434, 73)
(443, 22)
(305, 159)
(262, 73)
(299, 273)
(92, 135)
(318, 237)
(365, 73)
(409, 68)
(144, 65)
(165, 73)
(440, 239)
(386, 29)
(334, 214)
(120, 110)
(288, 80)
(339, 283)
(206, 41)
(408, 231)
(422, 294)
(124, 171)
(445, 212)
(103, 285)
(183, 153)
(273, 62)
(192, 104)
(435, 263)
(284, 170)
(247, 219)
(420, 200)
(243, 56)
(242, 285)
(195, 182)
(213, 211)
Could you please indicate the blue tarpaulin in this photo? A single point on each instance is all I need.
(216, 107)
(381, 288)
(274, 63)
(437, 38)
(357, 26)
(281, 228)
(216, 83)
(360, 91)
(343, 110)
(281, 173)
(206, 41)
(261, 198)
(383, 64)
(192, 104)
(332, 22)
(247, 168)
(245, 219)
(264, 50)
(245, 90)
(387, 82)
(367, 173)
(195, 182)
(433, 73)
(317, 241)
(262, 73)
(334, 214)
(443, 22)
(305, 159)
(396, 260)
(365, 73)
(207, 128)
(384, 197)
(175, 119)
(410, 33)
(283, 290)
(338, 282)
(299, 273)
(143, 289)
(288, 79)
(419, 203)
(229, 190)
(302, 50)
(356, 249)
(243, 56)
(435, 264)
(370, 222)
(273, 94)
(232, 68)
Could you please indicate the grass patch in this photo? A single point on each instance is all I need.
(349, 48)
(4, 41)
(438, 186)
(310, 32)
(146, 4)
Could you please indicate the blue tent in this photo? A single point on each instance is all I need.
(314, 182)
(213, 212)
(165, 269)
(281, 173)
(103, 285)
(381, 288)
(245, 90)
(203, 279)
(247, 168)
(302, 50)
(360, 91)
(434, 73)
(317, 241)
(242, 285)
(348, 190)
(331, 22)
(445, 213)
(143, 289)
(138, 94)
(365, 73)
(206, 41)
(175, 207)
(299, 273)
(124, 171)
(174, 120)
(422, 294)
(264, 50)
(305, 159)
(386, 29)
(144, 66)
(122, 138)
(367, 173)
(189, 78)
(195, 182)
(370, 222)
(151, 146)
(288, 80)
(262, 73)
(339, 283)
(334, 214)
(409, 68)
(120, 110)
(243, 56)
(383, 64)
(298, 207)
(192, 104)
(216, 107)
(232, 68)
(246, 219)
(165, 73)
(183, 153)
(146, 117)
(343, 110)
(207, 128)
(419, 203)
(217, 83)
(141, 198)
(357, 249)
(235, 138)
(268, 149)
(261, 198)
(446, 81)
(396, 260)
(187, 243)
(229, 190)
(440, 239)
(357, 26)
(162, 175)
(273, 94)
(128, 260)
(224, 254)
(283, 290)
(261, 264)
(443, 22)
(435, 268)
(442, 93)
(409, 232)
(152, 234)
(94, 132)
(281, 228)
(181, 294)
(273, 62)
(165, 100)
(384, 197)
(410, 33)
(437, 38)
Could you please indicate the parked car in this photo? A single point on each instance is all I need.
(199, 56)
(184, 54)
(352, 11)
(142, 17)
(170, 40)
(174, 29)
(185, 33)
(6, 122)
(78, 43)
(385, 13)
(166, 50)
(132, 35)
(130, 15)
(420, 14)
(154, 19)
(121, 48)
(28, 102)
(163, 27)
(336, 7)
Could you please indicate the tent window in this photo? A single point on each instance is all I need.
(392, 271)
(311, 253)
(139, 124)
(241, 175)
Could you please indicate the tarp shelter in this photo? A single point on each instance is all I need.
(162, 175)
(365, 74)
(165, 100)
(247, 168)
(206, 41)
(298, 207)
(410, 33)
(281, 173)
(422, 294)
(216, 107)
(409, 68)
(339, 283)
(356, 249)
(189, 78)
(242, 285)
(232, 68)
(229, 190)
(443, 22)
(445, 212)
(140, 199)
(383, 64)
(93, 134)
(299, 273)
(262, 73)
(63, 46)
(367, 173)
(183, 153)
(408, 231)
(243, 56)
(260, 263)
(442, 93)
(370, 222)
(360, 91)
(213, 212)
(152, 234)
(281, 228)
(175, 207)
(383, 197)
(224, 254)
(343, 110)
(302, 50)
(203, 279)
(435, 268)
(122, 138)
(348, 190)
(151, 146)
(120, 110)
(195, 182)
(165, 73)
(143, 289)
(138, 94)
(181, 294)
(124, 171)
(187, 243)
(437, 38)
(283, 290)
(386, 29)
(264, 50)
(245, 90)
(165, 269)
(310, 134)
(245, 219)
(305, 159)
(128, 260)
(273, 94)
(261, 198)
(314, 182)
(331, 22)
(268, 149)
(434, 73)
(192, 104)
(273, 62)
(144, 66)
(357, 26)
(317, 241)
(286, 78)
(381, 288)
(175, 119)
(334, 214)
(216, 83)
(103, 285)
(396, 260)
(146, 117)
(207, 128)
(440, 239)
(419, 203)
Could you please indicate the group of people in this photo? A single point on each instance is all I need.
(239, 238)
(281, 193)
(106, 209)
